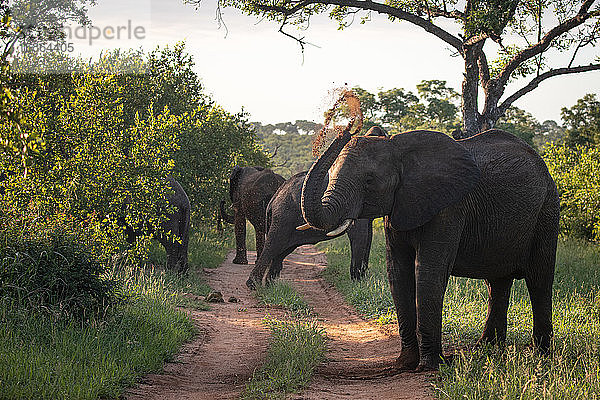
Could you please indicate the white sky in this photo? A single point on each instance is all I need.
(258, 69)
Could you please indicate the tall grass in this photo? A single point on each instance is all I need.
(516, 371)
(97, 357)
(297, 345)
(296, 348)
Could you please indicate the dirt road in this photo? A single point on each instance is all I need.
(233, 343)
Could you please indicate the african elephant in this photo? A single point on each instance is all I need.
(174, 232)
(250, 190)
(483, 207)
(284, 215)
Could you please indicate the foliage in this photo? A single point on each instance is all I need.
(575, 172)
(296, 348)
(93, 163)
(516, 371)
(520, 123)
(51, 268)
(398, 110)
(582, 122)
(28, 22)
(526, 36)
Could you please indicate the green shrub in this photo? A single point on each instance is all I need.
(575, 171)
(52, 267)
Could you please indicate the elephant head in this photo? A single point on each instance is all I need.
(409, 177)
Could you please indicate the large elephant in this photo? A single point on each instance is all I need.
(284, 215)
(250, 190)
(484, 207)
(174, 232)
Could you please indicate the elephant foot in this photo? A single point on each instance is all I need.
(489, 340)
(243, 260)
(408, 359)
(432, 363)
(252, 283)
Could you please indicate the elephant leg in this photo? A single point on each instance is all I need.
(277, 264)
(431, 282)
(495, 324)
(539, 277)
(240, 239)
(401, 275)
(260, 241)
(360, 236)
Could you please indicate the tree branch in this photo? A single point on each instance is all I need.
(543, 44)
(538, 79)
(427, 25)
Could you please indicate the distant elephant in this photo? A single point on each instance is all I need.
(175, 230)
(484, 207)
(250, 190)
(284, 214)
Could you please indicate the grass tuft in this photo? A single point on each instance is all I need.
(296, 348)
(280, 293)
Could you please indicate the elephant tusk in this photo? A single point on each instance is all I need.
(340, 228)
(304, 227)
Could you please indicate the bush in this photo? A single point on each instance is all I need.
(575, 171)
(50, 267)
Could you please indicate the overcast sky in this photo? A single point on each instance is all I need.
(258, 69)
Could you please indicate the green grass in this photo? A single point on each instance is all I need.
(571, 372)
(45, 358)
(280, 293)
(296, 348)
(297, 345)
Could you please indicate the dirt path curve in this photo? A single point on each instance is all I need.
(233, 343)
(361, 354)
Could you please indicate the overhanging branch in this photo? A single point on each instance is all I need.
(367, 5)
(542, 77)
(542, 45)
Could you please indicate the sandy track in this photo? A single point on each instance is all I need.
(233, 343)
(361, 354)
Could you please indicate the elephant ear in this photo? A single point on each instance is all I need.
(234, 178)
(436, 172)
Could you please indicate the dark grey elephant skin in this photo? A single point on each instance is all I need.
(283, 216)
(250, 190)
(484, 207)
(175, 230)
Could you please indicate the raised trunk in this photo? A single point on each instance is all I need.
(316, 214)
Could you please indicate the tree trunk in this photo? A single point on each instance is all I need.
(472, 121)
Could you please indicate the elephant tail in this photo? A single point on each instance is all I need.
(223, 213)
(184, 234)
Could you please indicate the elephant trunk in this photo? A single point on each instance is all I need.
(323, 215)
(223, 213)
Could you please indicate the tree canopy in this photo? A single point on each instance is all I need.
(526, 35)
